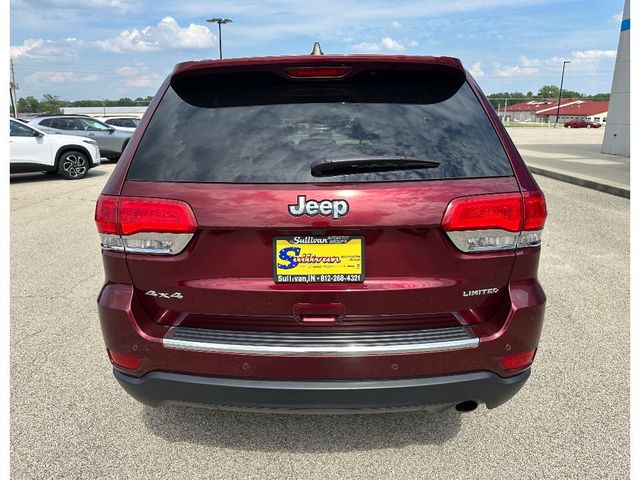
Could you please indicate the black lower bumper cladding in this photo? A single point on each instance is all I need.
(436, 393)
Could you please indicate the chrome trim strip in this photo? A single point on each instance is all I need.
(526, 238)
(178, 242)
(318, 344)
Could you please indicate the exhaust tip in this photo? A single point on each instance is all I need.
(468, 406)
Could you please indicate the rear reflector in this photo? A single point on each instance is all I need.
(144, 225)
(122, 360)
(483, 223)
(317, 72)
(519, 360)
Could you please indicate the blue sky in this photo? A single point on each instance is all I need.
(90, 49)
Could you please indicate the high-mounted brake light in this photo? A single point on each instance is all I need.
(493, 222)
(317, 72)
(144, 225)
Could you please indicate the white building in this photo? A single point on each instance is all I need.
(105, 111)
(617, 135)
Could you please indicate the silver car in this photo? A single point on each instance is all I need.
(110, 141)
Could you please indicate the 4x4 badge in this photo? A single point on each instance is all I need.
(334, 208)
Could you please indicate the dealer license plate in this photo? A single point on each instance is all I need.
(318, 259)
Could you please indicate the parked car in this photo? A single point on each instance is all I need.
(111, 142)
(31, 150)
(322, 233)
(125, 124)
(581, 124)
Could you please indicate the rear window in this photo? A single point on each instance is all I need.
(267, 129)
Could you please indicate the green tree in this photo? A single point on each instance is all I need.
(28, 105)
(51, 103)
(552, 91)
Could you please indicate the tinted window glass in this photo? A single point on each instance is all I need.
(92, 125)
(46, 122)
(19, 130)
(272, 131)
(64, 124)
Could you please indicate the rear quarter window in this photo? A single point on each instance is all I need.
(265, 129)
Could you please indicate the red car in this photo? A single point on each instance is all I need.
(581, 124)
(321, 233)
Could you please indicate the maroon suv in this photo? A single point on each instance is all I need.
(321, 233)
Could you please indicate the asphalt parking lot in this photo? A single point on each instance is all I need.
(70, 419)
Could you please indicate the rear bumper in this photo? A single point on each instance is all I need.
(159, 388)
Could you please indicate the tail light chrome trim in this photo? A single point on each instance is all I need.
(318, 344)
(144, 225)
(495, 222)
(494, 240)
(147, 242)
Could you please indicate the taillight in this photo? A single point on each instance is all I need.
(317, 72)
(493, 222)
(106, 214)
(535, 211)
(144, 225)
(155, 215)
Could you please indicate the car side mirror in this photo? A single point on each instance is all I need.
(37, 134)
(111, 129)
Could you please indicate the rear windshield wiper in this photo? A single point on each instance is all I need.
(352, 166)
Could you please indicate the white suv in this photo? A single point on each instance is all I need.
(34, 151)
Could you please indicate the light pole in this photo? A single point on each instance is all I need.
(560, 93)
(104, 107)
(220, 21)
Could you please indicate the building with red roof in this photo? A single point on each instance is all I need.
(527, 111)
(580, 110)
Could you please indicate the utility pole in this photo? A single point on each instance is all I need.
(560, 93)
(220, 21)
(13, 86)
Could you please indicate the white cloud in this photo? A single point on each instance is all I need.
(514, 71)
(582, 61)
(167, 34)
(593, 54)
(46, 77)
(476, 70)
(391, 44)
(396, 24)
(387, 44)
(617, 17)
(138, 77)
(44, 49)
(121, 6)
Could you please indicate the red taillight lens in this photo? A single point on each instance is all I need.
(535, 211)
(317, 72)
(106, 214)
(483, 212)
(155, 215)
(519, 360)
(130, 362)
